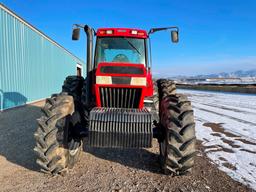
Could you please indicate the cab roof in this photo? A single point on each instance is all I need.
(122, 32)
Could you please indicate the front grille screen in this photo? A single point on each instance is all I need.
(120, 97)
(121, 70)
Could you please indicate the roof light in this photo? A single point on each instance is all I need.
(121, 30)
(141, 33)
(109, 32)
(133, 32)
(102, 32)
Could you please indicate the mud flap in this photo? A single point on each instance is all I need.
(120, 128)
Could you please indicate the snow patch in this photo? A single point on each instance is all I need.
(226, 123)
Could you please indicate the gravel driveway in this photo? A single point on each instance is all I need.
(98, 169)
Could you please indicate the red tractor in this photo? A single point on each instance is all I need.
(118, 105)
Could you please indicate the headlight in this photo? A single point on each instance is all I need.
(139, 81)
(107, 80)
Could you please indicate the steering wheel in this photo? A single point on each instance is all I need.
(121, 58)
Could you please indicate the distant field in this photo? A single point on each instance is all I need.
(237, 88)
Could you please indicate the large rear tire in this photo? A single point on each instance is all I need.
(167, 87)
(86, 108)
(177, 147)
(57, 147)
(73, 86)
(162, 87)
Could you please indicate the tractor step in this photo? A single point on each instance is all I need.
(120, 128)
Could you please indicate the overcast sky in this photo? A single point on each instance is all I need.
(215, 35)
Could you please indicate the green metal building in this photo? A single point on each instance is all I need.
(32, 65)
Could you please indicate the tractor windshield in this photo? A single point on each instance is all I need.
(120, 50)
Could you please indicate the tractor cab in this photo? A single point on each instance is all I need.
(121, 45)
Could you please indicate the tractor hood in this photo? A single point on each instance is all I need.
(120, 85)
(121, 74)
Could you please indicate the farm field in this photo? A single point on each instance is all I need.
(226, 125)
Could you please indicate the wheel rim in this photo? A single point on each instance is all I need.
(74, 151)
(73, 147)
(71, 144)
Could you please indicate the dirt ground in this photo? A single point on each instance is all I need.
(98, 169)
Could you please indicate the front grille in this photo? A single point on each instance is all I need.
(120, 97)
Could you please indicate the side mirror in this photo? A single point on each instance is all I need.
(76, 34)
(175, 36)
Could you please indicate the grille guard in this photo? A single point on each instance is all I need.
(120, 128)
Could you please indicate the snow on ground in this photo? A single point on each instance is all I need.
(226, 123)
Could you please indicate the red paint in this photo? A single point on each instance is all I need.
(150, 85)
(98, 73)
(146, 90)
(123, 32)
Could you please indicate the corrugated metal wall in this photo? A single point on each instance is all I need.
(32, 66)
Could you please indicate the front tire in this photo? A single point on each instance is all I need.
(177, 147)
(57, 147)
